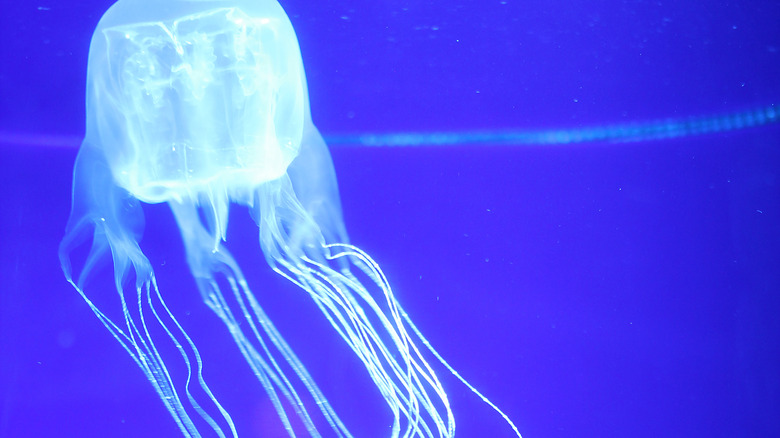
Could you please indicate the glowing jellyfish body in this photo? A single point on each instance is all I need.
(201, 104)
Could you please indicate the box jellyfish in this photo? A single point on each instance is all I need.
(200, 104)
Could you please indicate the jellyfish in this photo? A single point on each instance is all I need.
(201, 104)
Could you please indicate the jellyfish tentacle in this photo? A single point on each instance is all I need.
(116, 221)
(206, 260)
(206, 263)
(153, 364)
(295, 248)
(455, 373)
(270, 330)
(368, 266)
(199, 362)
(139, 344)
(416, 368)
(335, 295)
(265, 373)
(376, 271)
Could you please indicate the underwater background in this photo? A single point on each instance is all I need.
(578, 203)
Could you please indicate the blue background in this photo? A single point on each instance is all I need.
(599, 289)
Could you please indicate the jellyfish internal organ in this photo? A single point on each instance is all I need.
(200, 104)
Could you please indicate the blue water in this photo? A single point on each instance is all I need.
(614, 276)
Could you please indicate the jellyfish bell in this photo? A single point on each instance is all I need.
(200, 104)
(196, 97)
